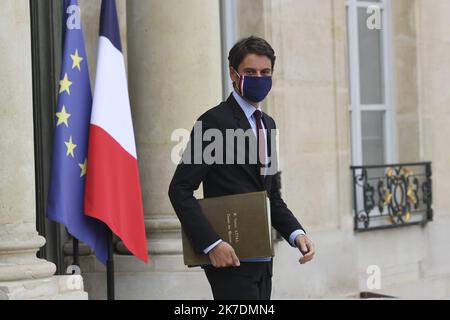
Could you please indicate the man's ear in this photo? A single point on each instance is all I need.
(233, 75)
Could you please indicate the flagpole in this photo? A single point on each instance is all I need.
(110, 267)
(76, 251)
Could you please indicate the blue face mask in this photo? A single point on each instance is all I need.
(254, 89)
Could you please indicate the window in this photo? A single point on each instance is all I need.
(371, 107)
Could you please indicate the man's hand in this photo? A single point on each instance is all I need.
(306, 247)
(223, 255)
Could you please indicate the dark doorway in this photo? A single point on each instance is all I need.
(46, 39)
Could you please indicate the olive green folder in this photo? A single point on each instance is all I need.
(242, 220)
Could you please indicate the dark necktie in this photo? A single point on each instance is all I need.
(261, 141)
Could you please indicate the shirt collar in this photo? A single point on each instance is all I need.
(245, 105)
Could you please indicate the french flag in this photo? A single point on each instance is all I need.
(113, 192)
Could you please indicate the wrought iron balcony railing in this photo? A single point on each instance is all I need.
(387, 196)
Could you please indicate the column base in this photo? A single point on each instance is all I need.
(23, 276)
(164, 277)
(18, 246)
(163, 236)
(55, 288)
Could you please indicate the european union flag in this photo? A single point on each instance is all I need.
(70, 144)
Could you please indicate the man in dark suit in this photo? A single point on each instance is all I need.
(251, 63)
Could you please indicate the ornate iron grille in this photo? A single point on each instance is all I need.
(389, 196)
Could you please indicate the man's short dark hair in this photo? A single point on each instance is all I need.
(249, 45)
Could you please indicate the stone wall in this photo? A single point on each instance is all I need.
(22, 274)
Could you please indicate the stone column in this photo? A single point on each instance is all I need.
(173, 51)
(174, 61)
(22, 274)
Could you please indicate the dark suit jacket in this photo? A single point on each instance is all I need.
(225, 179)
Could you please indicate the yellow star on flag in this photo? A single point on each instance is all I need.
(83, 167)
(70, 147)
(76, 60)
(63, 116)
(65, 85)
